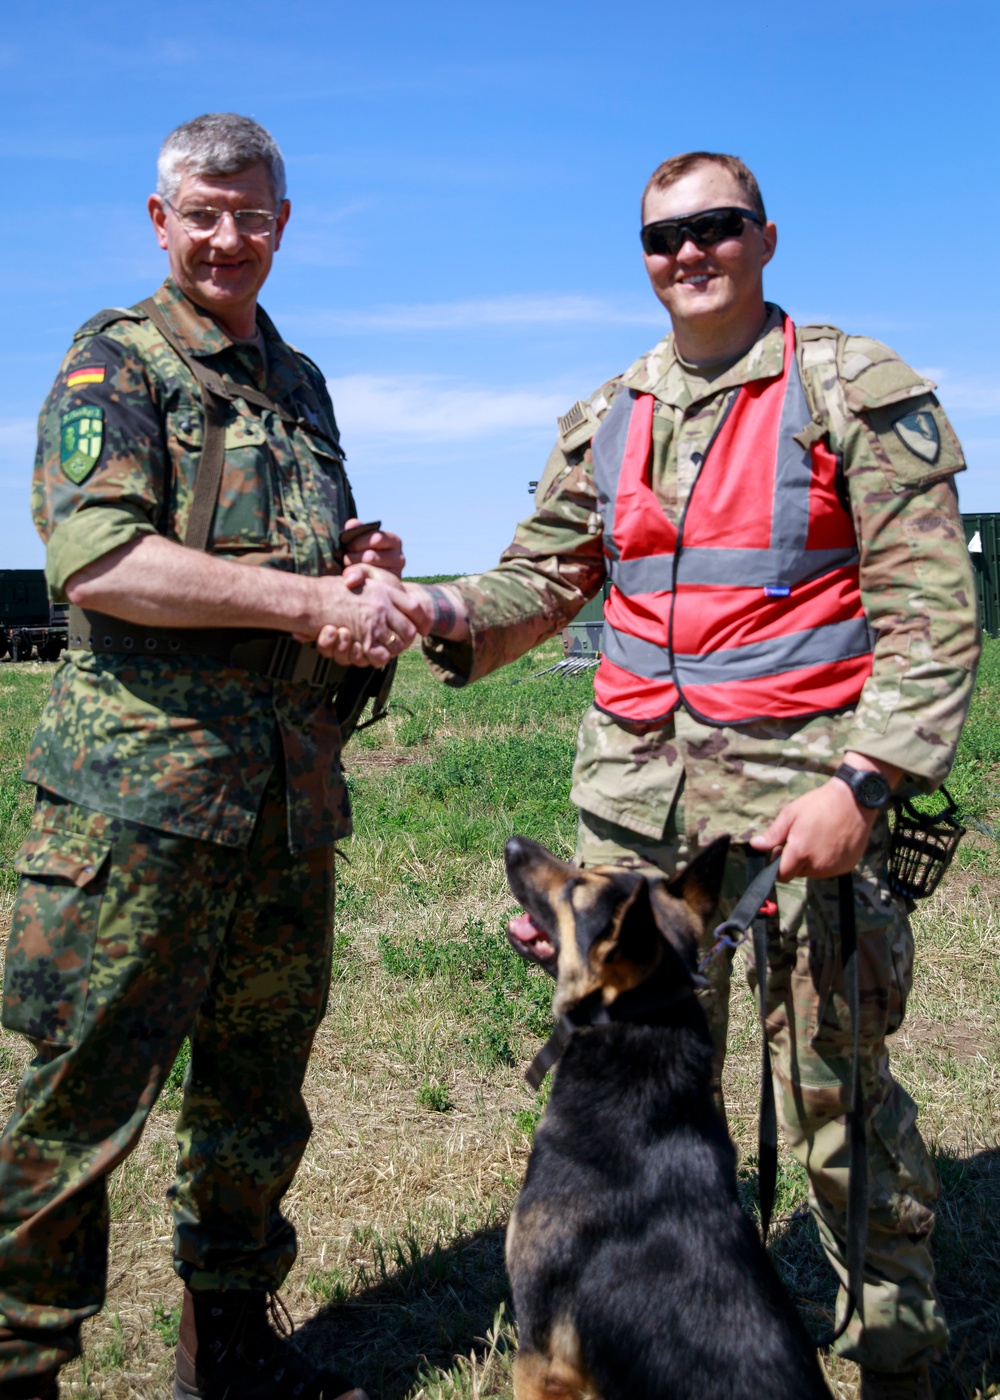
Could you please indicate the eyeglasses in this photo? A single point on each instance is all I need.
(205, 221)
(668, 236)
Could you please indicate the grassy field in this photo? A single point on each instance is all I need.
(423, 1120)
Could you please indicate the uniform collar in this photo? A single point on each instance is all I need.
(661, 374)
(198, 332)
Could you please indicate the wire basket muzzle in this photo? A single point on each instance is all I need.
(921, 847)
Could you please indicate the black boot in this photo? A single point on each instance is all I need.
(229, 1349)
(903, 1385)
(44, 1387)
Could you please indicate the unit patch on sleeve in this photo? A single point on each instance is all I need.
(919, 432)
(81, 441)
(86, 374)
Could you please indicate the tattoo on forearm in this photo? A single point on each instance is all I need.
(444, 611)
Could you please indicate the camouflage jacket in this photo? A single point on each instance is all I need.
(899, 455)
(186, 744)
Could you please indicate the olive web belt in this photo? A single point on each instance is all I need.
(274, 655)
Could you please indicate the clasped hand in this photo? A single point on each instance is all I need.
(366, 615)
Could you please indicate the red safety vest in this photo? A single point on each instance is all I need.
(751, 608)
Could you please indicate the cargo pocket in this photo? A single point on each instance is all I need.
(52, 934)
(330, 480)
(243, 511)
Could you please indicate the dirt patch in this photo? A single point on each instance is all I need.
(961, 1040)
(377, 760)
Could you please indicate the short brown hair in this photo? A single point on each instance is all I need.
(673, 169)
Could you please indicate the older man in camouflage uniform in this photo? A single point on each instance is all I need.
(648, 798)
(178, 878)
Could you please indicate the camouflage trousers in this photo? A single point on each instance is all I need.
(123, 941)
(810, 1036)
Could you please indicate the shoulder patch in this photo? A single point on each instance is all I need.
(86, 374)
(107, 317)
(579, 423)
(81, 440)
(577, 426)
(874, 376)
(576, 415)
(919, 432)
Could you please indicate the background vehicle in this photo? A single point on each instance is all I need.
(28, 621)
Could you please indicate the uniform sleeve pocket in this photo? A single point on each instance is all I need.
(62, 855)
(52, 934)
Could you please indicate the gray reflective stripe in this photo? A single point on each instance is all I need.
(727, 568)
(759, 568)
(652, 575)
(792, 470)
(821, 646)
(633, 654)
(608, 449)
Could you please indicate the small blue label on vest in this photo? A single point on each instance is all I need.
(776, 590)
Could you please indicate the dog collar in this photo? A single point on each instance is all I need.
(630, 1006)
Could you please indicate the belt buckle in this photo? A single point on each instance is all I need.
(296, 662)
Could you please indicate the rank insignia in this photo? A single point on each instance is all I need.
(919, 433)
(81, 442)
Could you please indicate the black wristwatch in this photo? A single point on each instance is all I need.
(870, 789)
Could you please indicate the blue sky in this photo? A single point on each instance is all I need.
(463, 259)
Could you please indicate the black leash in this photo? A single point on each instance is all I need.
(767, 1126)
(761, 883)
(857, 1179)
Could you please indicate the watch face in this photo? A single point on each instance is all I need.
(872, 790)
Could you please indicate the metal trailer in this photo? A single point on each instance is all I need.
(28, 621)
(982, 534)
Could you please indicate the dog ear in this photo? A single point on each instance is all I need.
(700, 883)
(623, 927)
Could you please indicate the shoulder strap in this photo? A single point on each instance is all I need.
(820, 350)
(208, 473)
(210, 379)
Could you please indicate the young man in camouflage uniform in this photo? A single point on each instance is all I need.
(178, 878)
(648, 795)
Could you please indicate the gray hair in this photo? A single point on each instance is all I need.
(219, 143)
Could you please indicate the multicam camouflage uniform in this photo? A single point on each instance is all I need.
(651, 799)
(178, 877)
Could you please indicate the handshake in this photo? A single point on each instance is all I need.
(367, 615)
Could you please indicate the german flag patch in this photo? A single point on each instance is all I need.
(86, 374)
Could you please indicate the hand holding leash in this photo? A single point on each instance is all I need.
(825, 832)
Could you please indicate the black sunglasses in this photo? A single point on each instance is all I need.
(668, 236)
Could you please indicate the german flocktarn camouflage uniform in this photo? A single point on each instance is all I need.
(651, 799)
(178, 877)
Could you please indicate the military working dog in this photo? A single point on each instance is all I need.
(636, 1274)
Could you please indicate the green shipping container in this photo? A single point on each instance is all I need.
(982, 534)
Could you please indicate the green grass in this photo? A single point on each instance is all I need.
(23, 689)
(422, 1118)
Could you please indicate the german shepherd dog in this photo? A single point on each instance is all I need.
(636, 1274)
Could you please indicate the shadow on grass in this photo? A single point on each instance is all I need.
(967, 1253)
(966, 1250)
(426, 1307)
(438, 1305)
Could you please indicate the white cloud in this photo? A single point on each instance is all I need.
(486, 311)
(426, 408)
